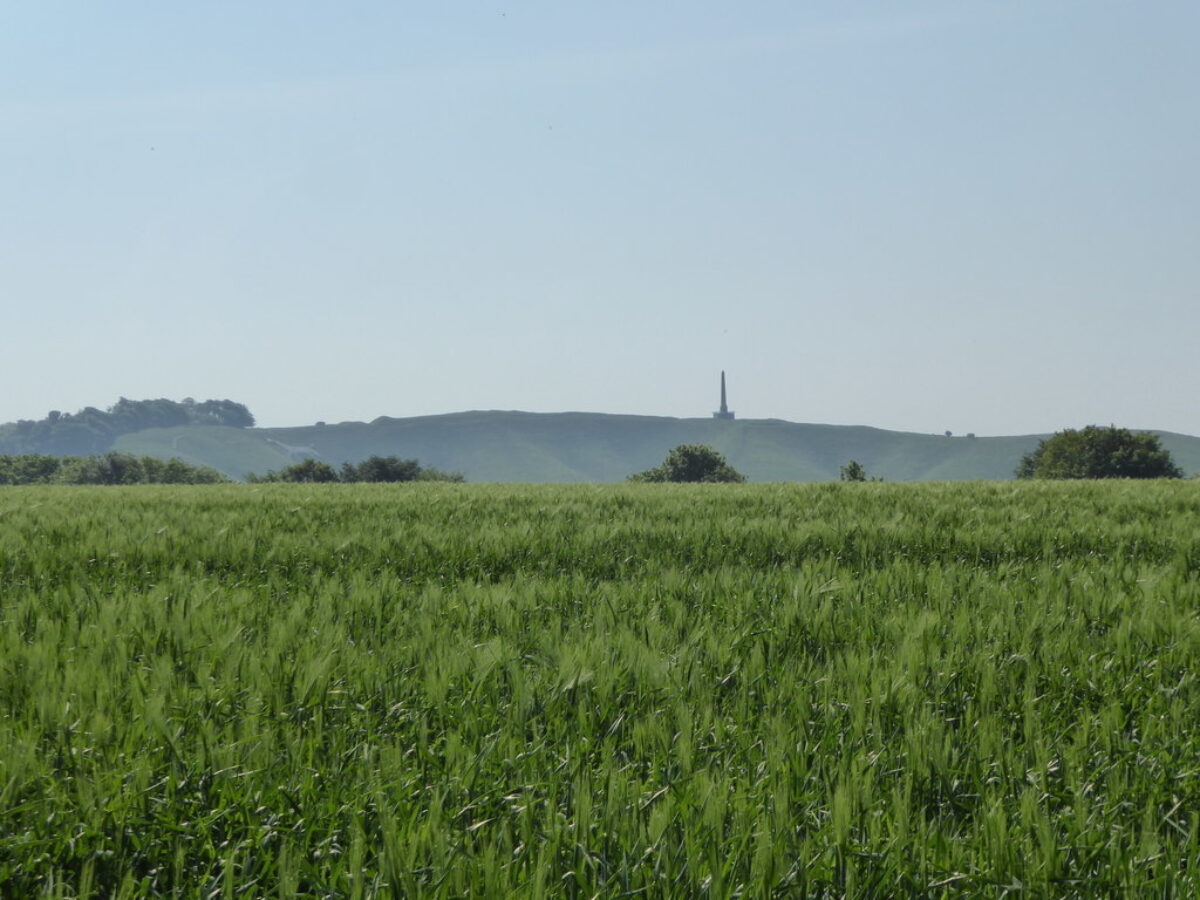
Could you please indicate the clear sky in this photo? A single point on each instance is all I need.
(975, 215)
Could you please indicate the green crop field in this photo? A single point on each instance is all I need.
(866, 690)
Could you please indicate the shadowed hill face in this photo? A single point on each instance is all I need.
(566, 447)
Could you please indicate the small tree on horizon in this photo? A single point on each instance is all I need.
(692, 463)
(856, 471)
(853, 471)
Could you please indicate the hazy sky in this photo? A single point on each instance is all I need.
(966, 215)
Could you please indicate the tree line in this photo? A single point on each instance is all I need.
(91, 430)
(108, 469)
(374, 469)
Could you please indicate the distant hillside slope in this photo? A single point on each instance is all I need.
(235, 452)
(1184, 448)
(562, 447)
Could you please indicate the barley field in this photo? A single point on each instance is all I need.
(438, 690)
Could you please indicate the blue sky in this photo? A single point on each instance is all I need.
(975, 216)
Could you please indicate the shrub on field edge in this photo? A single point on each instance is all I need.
(1095, 452)
(692, 463)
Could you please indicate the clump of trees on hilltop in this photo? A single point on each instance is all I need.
(109, 469)
(92, 430)
(373, 469)
(692, 463)
(1095, 452)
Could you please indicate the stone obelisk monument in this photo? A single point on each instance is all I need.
(724, 412)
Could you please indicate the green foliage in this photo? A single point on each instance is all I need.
(108, 469)
(1096, 452)
(307, 470)
(856, 471)
(373, 469)
(217, 412)
(853, 471)
(382, 469)
(29, 469)
(447, 691)
(691, 463)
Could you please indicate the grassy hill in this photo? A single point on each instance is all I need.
(566, 447)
